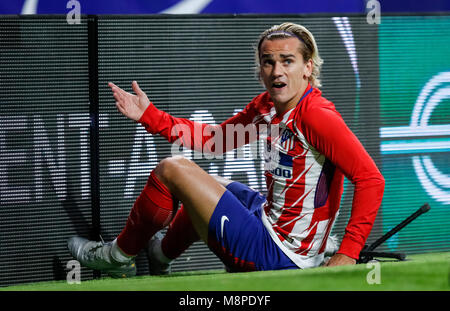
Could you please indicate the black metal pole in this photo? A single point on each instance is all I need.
(94, 127)
(423, 209)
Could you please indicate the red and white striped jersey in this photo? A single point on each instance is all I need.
(308, 151)
(298, 179)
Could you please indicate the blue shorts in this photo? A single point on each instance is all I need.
(238, 236)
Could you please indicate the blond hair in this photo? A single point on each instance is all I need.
(308, 46)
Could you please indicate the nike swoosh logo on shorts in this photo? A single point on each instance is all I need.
(222, 222)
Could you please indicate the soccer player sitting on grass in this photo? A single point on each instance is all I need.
(309, 149)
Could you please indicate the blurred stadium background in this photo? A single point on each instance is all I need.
(71, 165)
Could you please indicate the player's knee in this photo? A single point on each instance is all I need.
(170, 168)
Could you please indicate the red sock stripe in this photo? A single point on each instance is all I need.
(179, 236)
(157, 192)
(151, 212)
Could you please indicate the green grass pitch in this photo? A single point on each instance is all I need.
(425, 272)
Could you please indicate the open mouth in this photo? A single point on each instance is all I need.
(278, 85)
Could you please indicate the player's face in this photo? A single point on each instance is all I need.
(283, 71)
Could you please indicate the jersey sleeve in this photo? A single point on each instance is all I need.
(201, 137)
(325, 129)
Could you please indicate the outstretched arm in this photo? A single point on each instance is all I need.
(190, 134)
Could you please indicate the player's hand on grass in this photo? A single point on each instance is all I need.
(131, 106)
(340, 260)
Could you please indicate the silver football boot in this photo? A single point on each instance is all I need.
(97, 256)
(155, 266)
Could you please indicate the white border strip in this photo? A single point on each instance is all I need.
(416, 131)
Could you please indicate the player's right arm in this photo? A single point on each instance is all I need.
(131, 106)
(190, 134)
